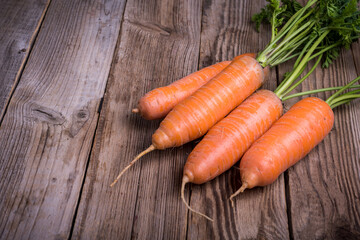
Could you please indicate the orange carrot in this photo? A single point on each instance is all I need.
(193, 117)
(158, 102)
(289, 139)
(228, 140)
(236, 133)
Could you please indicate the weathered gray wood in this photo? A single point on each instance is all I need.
(261, 212)
(159, 44)
(47, 132)
(324, 187)
(19, 24)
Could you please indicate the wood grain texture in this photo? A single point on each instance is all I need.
(355, 49)
(19, 24)
(159, 43)
(323, 188)
(259, 213)
(47, 132)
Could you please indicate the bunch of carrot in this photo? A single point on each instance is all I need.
(198, 103)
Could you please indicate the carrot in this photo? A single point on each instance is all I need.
(158, 102)
(253, 55)
(236, 133)
(193, 117)
(227, 141)
(289, 139)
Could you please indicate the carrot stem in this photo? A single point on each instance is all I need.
(305, 77)
(354, 91)
(298, 34)
(305, 49)
(149, 149)
(185, 180)
(287, 30)
(241, 189)
(298, 70)
(287, 56)
(315, 91)
(340, 103)
(343, 98)
(299, 22)
(290, 75)
(333, 97)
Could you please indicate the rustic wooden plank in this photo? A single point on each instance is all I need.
(159, 44)
(19, 24)
(355, 48)
(323, 188)
(47, 132)
(259, 213)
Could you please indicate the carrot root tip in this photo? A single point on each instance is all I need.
(185, 180)
(149, 149)
(135, 110)
(241, 189)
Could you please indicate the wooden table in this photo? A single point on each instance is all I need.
(70, 73)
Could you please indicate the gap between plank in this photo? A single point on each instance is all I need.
(354, 59)
(83, 180)
(24, 61)
(99, 110)
(288, 204)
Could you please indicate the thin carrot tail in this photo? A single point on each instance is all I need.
(149, 149)
(135, 110)
(241, 189)
(185, 180)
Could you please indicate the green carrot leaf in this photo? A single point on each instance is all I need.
(330, 56)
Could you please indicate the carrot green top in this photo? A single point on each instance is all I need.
(316, 31)
(340, 97)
